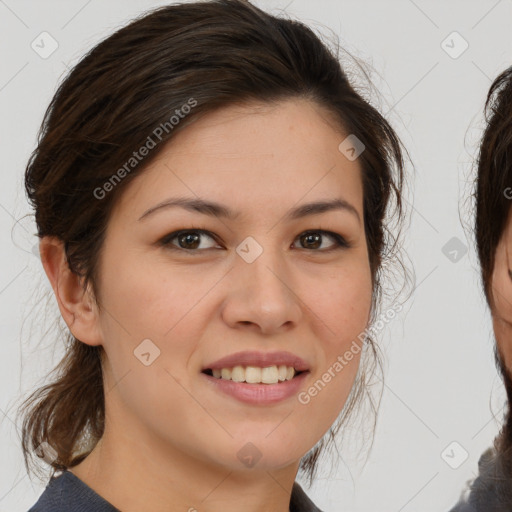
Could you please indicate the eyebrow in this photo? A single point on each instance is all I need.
(218, 210)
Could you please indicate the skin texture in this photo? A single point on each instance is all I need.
(171, 440)
(502, 295)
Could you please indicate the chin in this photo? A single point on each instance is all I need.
(259, 452)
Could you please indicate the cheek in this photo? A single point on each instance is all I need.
(345, 302)
(148, 299)
(502, 310)
(148, 330)
(149, 339)
(344, 309)
(503, 334)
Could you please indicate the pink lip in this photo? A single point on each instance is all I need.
(258, 394)
(262, 359)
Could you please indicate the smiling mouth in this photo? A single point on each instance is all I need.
(255, 374)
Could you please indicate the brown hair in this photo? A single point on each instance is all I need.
(493, 192)
(215, 53)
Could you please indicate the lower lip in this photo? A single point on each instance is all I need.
(258, 394)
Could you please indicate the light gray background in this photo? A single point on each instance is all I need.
(441, 384)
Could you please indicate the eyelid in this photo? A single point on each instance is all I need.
(340, 242)
(166, 240)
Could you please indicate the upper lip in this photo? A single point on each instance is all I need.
(262, 359)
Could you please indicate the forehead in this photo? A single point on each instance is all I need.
(252, 156)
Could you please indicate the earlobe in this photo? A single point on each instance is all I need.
(77, 306)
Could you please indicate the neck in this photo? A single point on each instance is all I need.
(134, 470)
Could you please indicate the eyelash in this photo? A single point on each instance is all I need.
(339, 241)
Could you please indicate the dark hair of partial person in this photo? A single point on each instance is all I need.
(493, 193)
(220, 53)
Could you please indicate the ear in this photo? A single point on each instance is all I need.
(77, 306)
(502, 295)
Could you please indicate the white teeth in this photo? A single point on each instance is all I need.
(252, 375)
(238, 374)
(270, 375)
(255, 374)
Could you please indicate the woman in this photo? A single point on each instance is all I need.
(492, 489)
(210, 194)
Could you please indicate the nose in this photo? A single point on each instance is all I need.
(263, 295)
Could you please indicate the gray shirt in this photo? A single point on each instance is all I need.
(491, 491)
(67, 493)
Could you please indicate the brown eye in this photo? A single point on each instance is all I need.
(187, 240)
(314, 239)
(192, 240)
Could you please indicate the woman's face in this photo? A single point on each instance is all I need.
(248, 287)
(502, 294)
